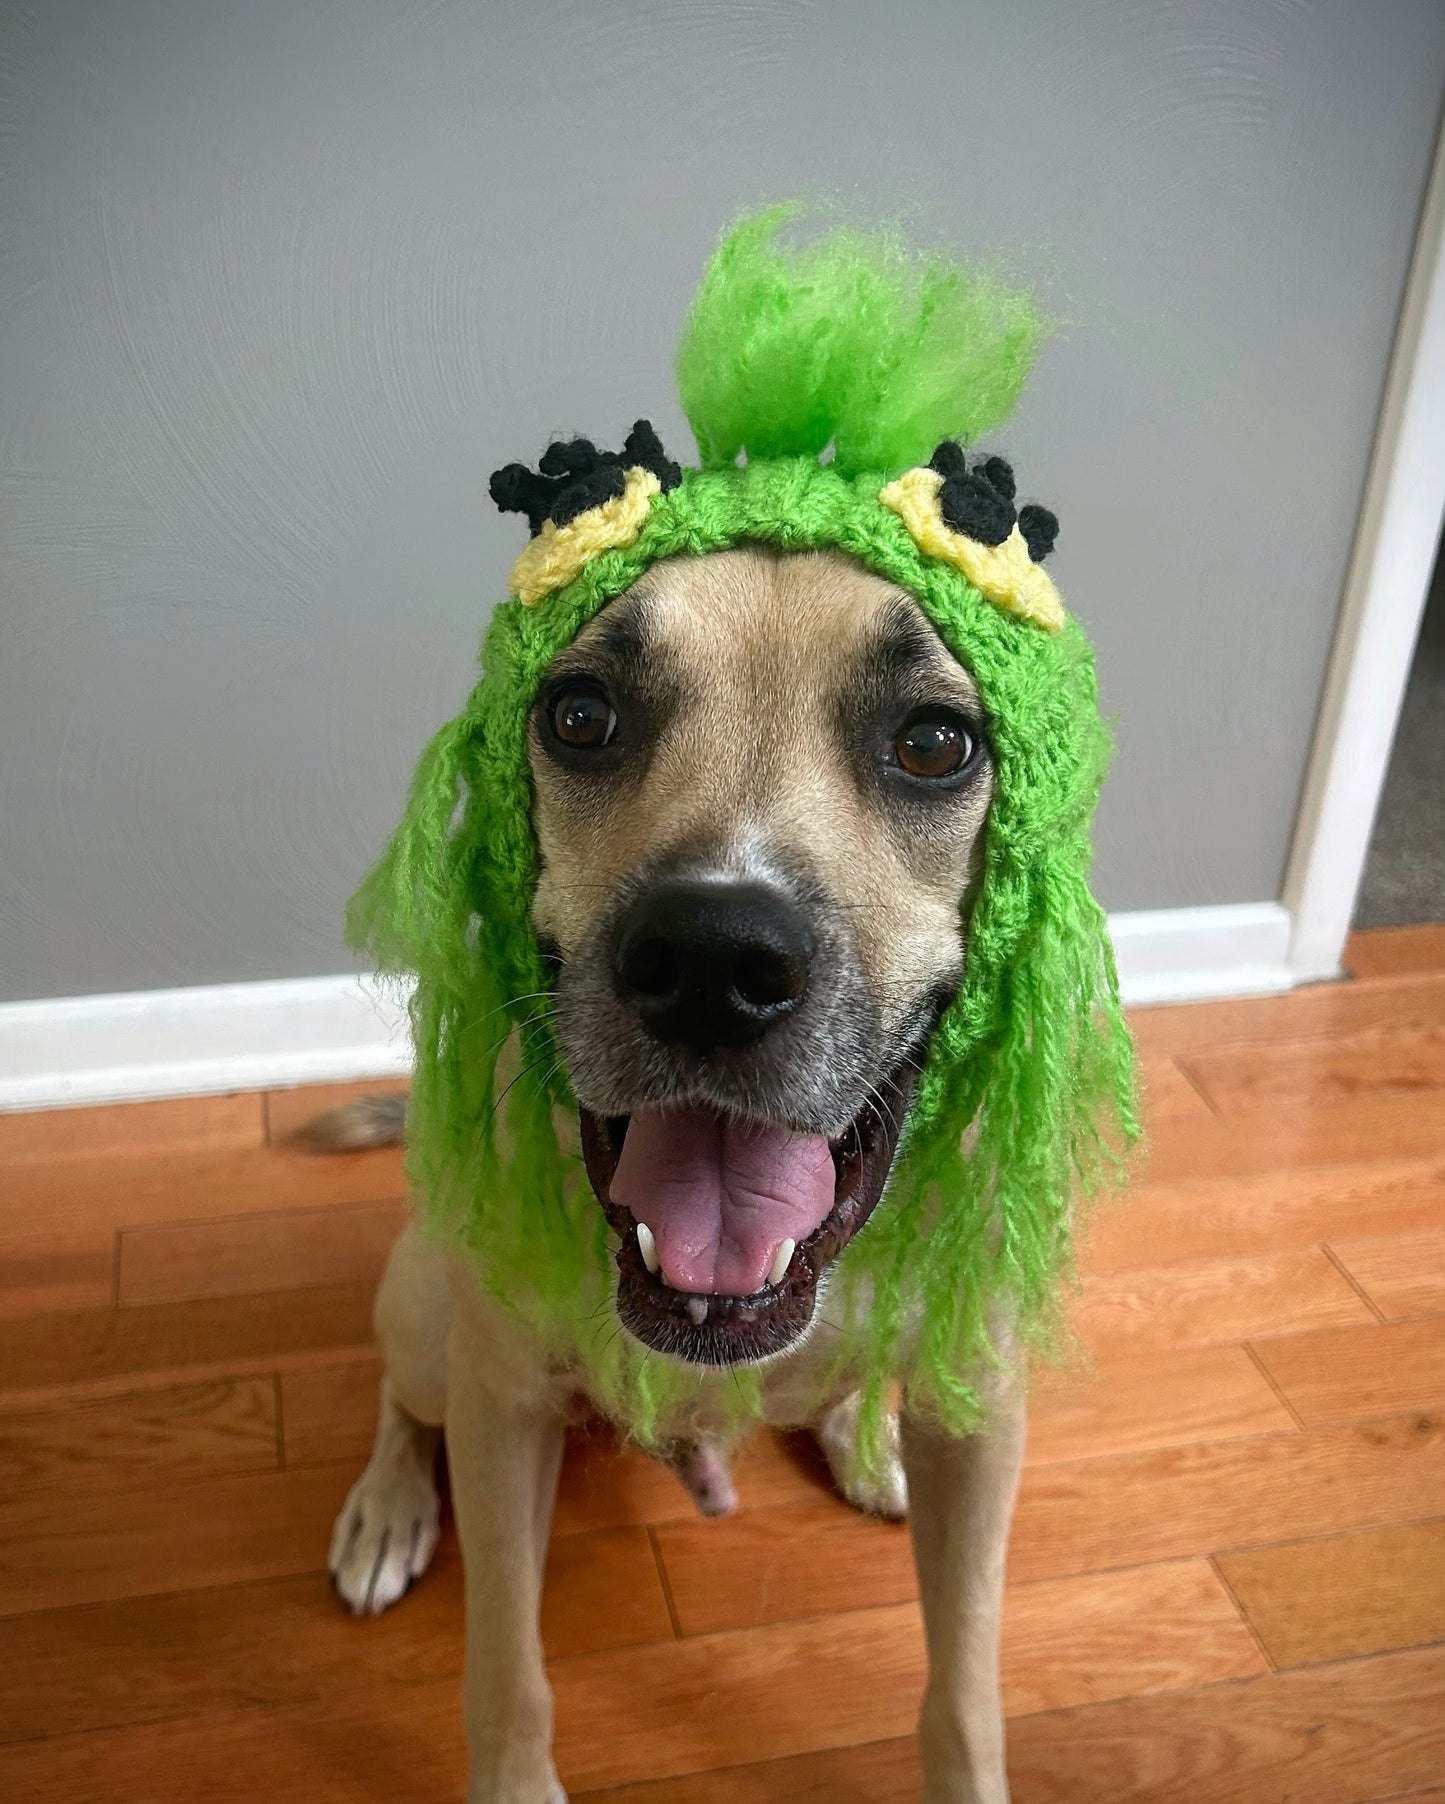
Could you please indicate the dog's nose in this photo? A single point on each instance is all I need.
(712, 964)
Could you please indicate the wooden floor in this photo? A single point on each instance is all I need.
(1227, 1582)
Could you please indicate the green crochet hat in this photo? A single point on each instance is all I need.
(854, 346)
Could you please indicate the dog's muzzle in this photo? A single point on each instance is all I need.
(723, 1044)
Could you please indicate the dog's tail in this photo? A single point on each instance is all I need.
(364, 1122)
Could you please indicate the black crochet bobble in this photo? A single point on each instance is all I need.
(979, 502)
(574, 476)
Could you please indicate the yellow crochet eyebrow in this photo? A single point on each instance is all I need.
(559, 553)
(1005, 574)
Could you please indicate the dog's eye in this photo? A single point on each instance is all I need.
(583, 716)
(933, 744)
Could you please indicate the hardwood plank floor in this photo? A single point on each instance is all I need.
(1401, 1275)
(1324, 1735)
(168, 1432)
(1396, 952)
(1167, 1399)
(1252, 1491)
(179, 1124)
(328, 1412)
(90, 1546)
(300, 1248)
(1227, 1577)
(1343, 1373)
(1329, 1011)
(1311, 1131)
(1343, 1594)
(1236, 1079)
(53, 1279)
(1291, 1207)
(97, 1352)
(1209, 1302)
(603, 1590)
(114, 1192)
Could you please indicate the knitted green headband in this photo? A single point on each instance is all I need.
(1027, 1090)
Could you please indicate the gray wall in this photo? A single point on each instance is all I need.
(282, 281)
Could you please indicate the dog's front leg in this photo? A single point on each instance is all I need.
(961, 1499)
(504, 1447)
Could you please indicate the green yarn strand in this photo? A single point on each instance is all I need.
(849, 339)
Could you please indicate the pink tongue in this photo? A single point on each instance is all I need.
(721, 1196)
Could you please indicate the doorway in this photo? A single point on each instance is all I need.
(1404, 881)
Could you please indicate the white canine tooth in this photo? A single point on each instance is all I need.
(697, 1311)
(648, 1247)
(782, 1259)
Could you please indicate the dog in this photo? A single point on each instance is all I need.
(761, 787)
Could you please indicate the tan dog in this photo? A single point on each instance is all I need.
(761, 783)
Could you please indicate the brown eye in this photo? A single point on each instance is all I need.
(933, 745)
(583, 717)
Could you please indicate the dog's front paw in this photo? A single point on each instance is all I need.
(881, 1492)
(385, 1535)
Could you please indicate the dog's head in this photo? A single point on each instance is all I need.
(761, 785)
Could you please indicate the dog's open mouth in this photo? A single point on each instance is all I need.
(728, 1225)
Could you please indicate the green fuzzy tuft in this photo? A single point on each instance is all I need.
(1027, 1094)
(851, 340)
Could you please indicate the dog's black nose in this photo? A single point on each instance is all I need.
(712, 964)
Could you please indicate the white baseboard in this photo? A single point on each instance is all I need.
(145, 1044)
(1195, 954)
(249, 1036)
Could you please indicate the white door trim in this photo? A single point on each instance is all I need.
(1385, 593)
